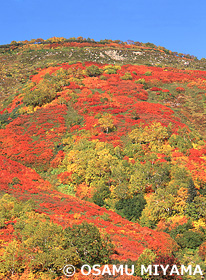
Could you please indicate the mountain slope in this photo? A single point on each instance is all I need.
(108, 140)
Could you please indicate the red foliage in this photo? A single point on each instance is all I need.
(130, 239)
(180, 89)
(57, 160)
(164, 261)
(202, 251)
(155, 89)
(173, 223)
(31, 140)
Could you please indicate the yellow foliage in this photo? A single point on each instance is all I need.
(77, 216)
(68, 141)
(106, 122)
(8, 206)
(180, 201)
(28, 110)
(113, 191)
(71, 160)
(116, 67)
(198, 224)
(155, 133)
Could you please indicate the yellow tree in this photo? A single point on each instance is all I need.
(159, 206)
(106, 122)
(154, 134)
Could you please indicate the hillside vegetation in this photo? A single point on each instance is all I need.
(105, 140)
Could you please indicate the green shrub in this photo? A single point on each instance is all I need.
(39, 97)
(131, 208)
(90, 245)
(111, 69)
(102, 77)
(101, 195)
(127, 76)
(140, 81)
(46, 90)
(148, 73)
(93, 71)
(146, 258)
(50, 246)
(190, 239)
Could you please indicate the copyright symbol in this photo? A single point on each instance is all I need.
(69, 270)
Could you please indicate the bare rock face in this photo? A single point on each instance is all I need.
(114, 55)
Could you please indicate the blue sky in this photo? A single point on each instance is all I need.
(177, 25)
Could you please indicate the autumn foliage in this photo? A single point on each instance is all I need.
(108, 145)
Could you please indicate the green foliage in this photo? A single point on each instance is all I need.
(105, 217)
(38, 243)
(111, 69)
(6, 118)
(93, 71)
(10, 208)
(45, 241)
(131, 149)
(183, 143)
(43, 246)
(11, 260)
(148, 73)
(146, 258)
(190, 239)
(180, 177)
(8, 100)
(46, 90)
(192, 191)
(15, 181)
(67, 189)
(186, 237)
(180, 229)
(92, 162)
(127, 76)
(59, 78)
(90, 246)
(131, 209)
(149, 175)
(160, 206)
(100, 195)
(150, 45)
(191, 257)
(102, 77)
(196, 208)
(43, 94)
(72, 117)
(140, 81)
(160, 176)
